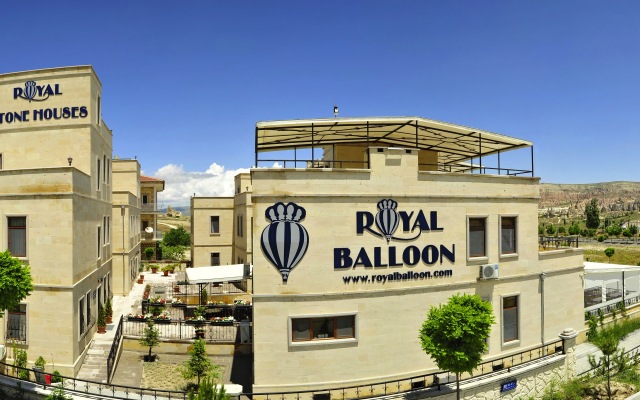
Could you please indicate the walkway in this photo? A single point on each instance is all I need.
(94, 367)
(584, 349)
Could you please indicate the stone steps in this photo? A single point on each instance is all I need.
(94, 366)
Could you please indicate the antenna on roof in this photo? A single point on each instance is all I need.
(335, 111)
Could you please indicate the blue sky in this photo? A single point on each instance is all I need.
(185, 82)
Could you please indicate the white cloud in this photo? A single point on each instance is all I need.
(180, 185)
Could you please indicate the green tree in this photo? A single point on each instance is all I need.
(208, 390)
(633, 229)
(609, 252)
(15, 282)
(198, 365)
(592, 214)
(574, 229)
(614, 230)
(57, 394)
(613, 360)
(148, 253)
(454, 334)
(540, 230)
(175, 253)
(150, 338)
(551, 230)
(561, 230)
(177, 237)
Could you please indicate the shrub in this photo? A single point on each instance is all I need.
(148, 253)
(600, 238)
(20, 360)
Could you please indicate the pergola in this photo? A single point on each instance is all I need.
(457, 145)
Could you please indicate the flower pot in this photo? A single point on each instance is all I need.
(176, 289)
(39, 373)
(154, 270)
(102, 329)
(199, 334)
(140, 281)
(166, 273)
(109, 319)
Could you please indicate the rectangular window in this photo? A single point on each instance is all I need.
(17, 236)
(17, 323)
(215, 224)
(104, 162)
(239, 225)
(508, 235)
(145, 199)
(0, 160)
(98, 113)
(99, 172)
(509, 318)
(99, 243)
(108, 230)
(88, 301)
(308, 329)
(477, 237)
(215, 258)
(81, 320)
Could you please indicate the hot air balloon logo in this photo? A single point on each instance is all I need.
(30, 90)
(387, 219)
(285, 241)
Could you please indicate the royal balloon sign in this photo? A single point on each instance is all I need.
(386, 225)
(284, 241)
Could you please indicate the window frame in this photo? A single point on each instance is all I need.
(81, 315)
(213, 231)
(23, 315)
(99, 174)
(484, 256)
(99, 242)
(211, 259)
(515, 235)
(26, 236)
(316, 341)
(516, 340)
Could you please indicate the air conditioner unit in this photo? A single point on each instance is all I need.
(489, 271)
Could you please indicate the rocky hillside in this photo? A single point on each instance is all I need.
(569, 199)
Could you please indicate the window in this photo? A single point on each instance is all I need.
(88, 301)
(0, 160)
(99, 243)
(215, 258)
(98, 113)
(99, 170)
(17, 323)
(145, 199)
(215, 224)
(239, 228)
(107, 231)
(83, 325)
(510, 318)
(307, 329)
(104, 162)
(508, 235)
(17, 236)
(477, 237)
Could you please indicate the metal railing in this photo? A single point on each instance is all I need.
(85, 387)
(608, 308)
(558, 241)
(184, 330)
(633, 354)
(112, 359)
(428, 381)
(433, 380)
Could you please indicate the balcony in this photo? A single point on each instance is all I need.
(149, 208)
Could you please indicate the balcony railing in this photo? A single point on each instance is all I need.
(557, 242)
(148, 207)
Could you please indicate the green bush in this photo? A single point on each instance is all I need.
(600, 238)
(20, 360)
(148, 253)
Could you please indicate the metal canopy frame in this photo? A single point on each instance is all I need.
(456, 145)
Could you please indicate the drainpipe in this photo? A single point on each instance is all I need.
(542, 276)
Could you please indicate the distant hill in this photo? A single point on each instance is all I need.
(185, 210)
(570, 199)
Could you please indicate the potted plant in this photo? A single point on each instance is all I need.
(199, 332)
(150, 338)
(154, 268)
(108, 311)
(38, 370)
(166, 269)
(148, 253)
(102, 323)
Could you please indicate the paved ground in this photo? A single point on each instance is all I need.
(584, 349)
(129, 369)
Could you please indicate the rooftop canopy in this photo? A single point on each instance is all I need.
(456, 145)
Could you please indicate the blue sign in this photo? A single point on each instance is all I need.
(508, 385)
